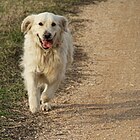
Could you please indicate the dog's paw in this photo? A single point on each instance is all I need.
(46, 107)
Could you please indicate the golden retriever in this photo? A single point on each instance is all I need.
(48, 50)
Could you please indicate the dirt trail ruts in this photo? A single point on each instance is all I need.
(101, 98)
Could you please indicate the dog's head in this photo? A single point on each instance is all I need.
(46, 28)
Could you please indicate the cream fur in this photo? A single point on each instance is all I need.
(45, 67)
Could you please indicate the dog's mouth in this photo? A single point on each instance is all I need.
(46, 44)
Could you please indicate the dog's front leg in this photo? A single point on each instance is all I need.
(47, 95)
(33, 91)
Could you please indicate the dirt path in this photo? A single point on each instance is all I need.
(101, 100)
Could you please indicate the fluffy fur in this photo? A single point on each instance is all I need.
(45, 67)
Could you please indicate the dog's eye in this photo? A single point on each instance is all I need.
(40, 23)
(53, 24)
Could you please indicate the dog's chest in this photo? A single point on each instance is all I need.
(48, 62)
(50, 67)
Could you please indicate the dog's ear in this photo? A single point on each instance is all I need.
(63, 23)
(27, 24)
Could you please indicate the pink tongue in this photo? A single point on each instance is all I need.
(47, 44)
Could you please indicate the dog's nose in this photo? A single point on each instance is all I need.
(47, 35)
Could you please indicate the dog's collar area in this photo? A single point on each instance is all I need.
(57, 44)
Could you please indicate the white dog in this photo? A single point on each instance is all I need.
(48, 50)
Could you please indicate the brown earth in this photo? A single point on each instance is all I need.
(100, 98)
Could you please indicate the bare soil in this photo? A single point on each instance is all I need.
(101, 97)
